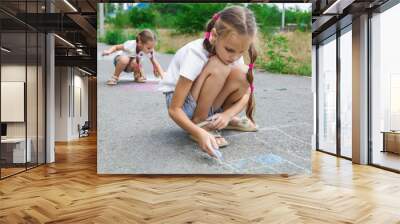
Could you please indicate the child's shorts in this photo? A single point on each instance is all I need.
(128, 68)
(189, 105)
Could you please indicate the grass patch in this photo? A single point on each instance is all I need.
(286, 53)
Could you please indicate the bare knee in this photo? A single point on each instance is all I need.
(215, 71)
(216, 68)
(238, 75)
(123, 60)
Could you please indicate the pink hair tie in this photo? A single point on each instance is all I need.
(215, 16)
(251, 66)
(251, 88)
(207, 35)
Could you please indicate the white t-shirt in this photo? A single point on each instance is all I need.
(187, 62)
(130, 50)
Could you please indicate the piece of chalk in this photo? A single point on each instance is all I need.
(217, 153)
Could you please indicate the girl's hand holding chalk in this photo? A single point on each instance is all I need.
(207, 142)
(219, 121)
(156, 72)
(215, 152)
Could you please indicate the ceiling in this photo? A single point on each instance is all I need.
(330, 15)
(72, 20)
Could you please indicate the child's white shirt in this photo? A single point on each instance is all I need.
(187, 62)
(130, 50)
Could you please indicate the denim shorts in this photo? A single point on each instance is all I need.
(189, 105)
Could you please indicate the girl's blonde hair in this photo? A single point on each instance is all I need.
(242, 21)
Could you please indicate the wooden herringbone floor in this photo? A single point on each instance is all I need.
(70, 191)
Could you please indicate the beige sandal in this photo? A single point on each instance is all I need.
(113, 80)
(215, 133)
(138, 78)
(243, 125)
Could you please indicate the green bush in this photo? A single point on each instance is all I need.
(277, 47)
(113, 37)
(142, 18)
(195, 17)
(304, 69)
(166, 14)
(269, 16)
(192, 17)
(121, 20)
(299, 17)
(170, 51)
(279, 61)
(266, 15)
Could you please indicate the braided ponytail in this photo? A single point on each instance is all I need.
(137, 50)
(206, 43)
(250, 78)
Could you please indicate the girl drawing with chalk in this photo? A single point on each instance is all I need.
(207, 83)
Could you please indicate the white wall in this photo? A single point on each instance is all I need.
(79, 117)
(62, 81)
(69, 82)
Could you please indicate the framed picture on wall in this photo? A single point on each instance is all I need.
(12, 101)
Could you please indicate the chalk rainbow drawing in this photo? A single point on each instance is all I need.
(148, 86)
